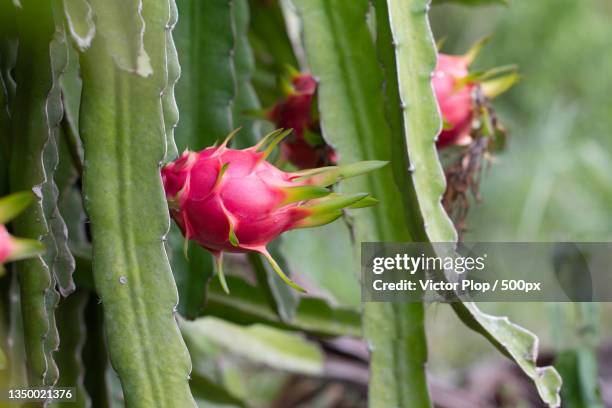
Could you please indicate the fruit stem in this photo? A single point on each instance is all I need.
(279, 271)
(220, 274)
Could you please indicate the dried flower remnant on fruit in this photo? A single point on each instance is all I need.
(470, 124)
(306, 148)
(230, 200)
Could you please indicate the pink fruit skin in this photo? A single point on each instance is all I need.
(248, 197)
(6, 246)
(295, 113)
(455, 104)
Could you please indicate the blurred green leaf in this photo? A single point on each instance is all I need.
(208, 394)
(280, 296)
(576, 337)
(325, 267)
(578, 368)
(257, 343)
(248, 304)
(471, 2)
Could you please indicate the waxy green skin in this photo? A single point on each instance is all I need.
(122, 125)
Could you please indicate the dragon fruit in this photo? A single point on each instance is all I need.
(12, 248)
(454, 99)
(306, 148)
(6, 246)
(462, 95)
(229, 200)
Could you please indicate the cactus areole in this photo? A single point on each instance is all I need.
(306, 148)
(230, 200)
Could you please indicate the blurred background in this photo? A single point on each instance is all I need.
(552, 183)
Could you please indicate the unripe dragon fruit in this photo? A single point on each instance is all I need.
(230, 200)
(462, 95)
(12, 248)
(306, 148)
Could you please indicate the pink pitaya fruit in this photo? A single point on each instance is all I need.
(306, 148)
(463, 95)
(454, 98)
(230, 200)
(6, 245)
(12, 248)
